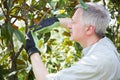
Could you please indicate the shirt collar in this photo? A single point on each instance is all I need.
(86, 50)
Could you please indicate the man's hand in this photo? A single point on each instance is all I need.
(30, 44)
(65, 22)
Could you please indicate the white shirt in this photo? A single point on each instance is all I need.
(100, 62)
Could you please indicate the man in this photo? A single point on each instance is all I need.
(100, 59)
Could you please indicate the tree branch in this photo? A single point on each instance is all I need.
(18, 53)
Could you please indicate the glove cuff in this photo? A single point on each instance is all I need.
(32, 51)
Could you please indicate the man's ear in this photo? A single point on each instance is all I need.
(90, 29)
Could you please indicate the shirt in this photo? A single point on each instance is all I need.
(100, 62)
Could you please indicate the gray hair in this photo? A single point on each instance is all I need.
(97, 16)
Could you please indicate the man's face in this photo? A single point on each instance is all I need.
(77, 30)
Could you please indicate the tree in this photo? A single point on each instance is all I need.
(55, 46)
(114, 28)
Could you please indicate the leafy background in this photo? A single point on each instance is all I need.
(57, 51)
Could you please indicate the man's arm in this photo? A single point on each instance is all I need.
(39, 68)
(49, 21)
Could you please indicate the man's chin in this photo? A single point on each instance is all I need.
(73, 39)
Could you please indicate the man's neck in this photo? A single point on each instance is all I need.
(91, 41)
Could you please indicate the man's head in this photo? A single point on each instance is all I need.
(97, 16)
(89, 23)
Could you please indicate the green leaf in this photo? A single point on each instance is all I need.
(20, 62)
(1, 17)
(18, 1)
(61, 3)
(49, 28)
(47, 36)
(6, 32)
(28, 69)
(14, 10)
(35, 38)
(5, 57)
(12, 73)
(39, 35)
(83, 5)
(77, 46)
(20, 36)
(65, 33)
(24, 56)
(48, 49)
(31, 75)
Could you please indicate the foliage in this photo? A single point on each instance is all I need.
(57, 51)
(114, 29)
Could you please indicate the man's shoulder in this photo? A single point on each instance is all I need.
(105, 45)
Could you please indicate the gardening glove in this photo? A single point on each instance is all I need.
(30, 45)
(47, 22)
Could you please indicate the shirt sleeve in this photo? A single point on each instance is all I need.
(85, 69)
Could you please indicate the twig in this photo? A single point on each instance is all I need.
(44, 16)
(18, 53)
(104, 2)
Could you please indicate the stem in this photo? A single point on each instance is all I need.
(104, 2)
(18, 53)
(43, 17)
